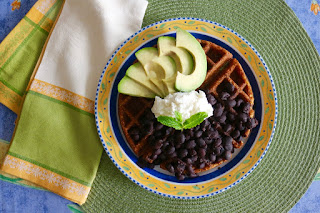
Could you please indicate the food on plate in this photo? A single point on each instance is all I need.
(160, 122)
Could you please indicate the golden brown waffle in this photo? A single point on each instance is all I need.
(222, 69)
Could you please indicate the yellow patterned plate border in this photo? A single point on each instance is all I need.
(188, 190)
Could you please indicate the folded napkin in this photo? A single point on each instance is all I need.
(55, 144)
(19, 53)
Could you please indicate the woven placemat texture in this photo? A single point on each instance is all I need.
(292, 160)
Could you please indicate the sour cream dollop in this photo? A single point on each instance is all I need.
(187, 103)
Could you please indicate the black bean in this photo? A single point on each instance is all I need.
(243, 117)
(218, 112)
(246, 107)
(153, 157)
(227, 128)
(165, 144)
(202, 152)
(235, 134)
(157, 152)
(172, 155)
(208, 140)
(251, 123)
(239, 102)
(189, 168)
(227, 140)
(212, 157)
(222, 119)
(196, 128)
(188, 161)
(206, 123)
(134, 131)
(211, 119)
(217, 150)
(178, 145)
(180, 168)
(182, 153)
(201, 142)
(211, 99)
(217, 142)
(168, 131)
(193, 175)
(202, 165)
(188, 137)
(231, 116)
(135, 137)
(229, 87)
(215, 134)
(170, 150)
(190, 144)
(240, 126)
(170, 168)
(228, 147)
(192, 152)
(231, 103)
(194, 158)
(240, 138)
(224, 95)
(158, 126)
(180, 138)
(148, 128)
(158, 144)
(180, 177)
(227, 155)
(219, 159)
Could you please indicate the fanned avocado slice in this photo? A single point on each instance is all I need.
(182, 58)
(191, 82)
(137, 73)
(129, 86)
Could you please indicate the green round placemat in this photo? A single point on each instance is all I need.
(292, 160)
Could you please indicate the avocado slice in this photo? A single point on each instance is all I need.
(129, 86)
(182, 58)
(191, 82)
(168, 65)
(137, 73)
(170, 84)
(157, 67)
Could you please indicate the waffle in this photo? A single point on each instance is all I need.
(135, 112)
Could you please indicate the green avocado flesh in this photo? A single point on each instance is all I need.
(137, 73)
(182, 58)
(129, 86)
(195, 79)
(177, 65)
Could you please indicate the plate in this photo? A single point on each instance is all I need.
(210, 182)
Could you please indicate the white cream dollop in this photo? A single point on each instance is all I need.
(187, 103)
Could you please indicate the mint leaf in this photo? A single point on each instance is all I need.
(178, 116)
(194, 120)
(170, 122)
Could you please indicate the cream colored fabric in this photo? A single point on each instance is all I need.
(86, 35)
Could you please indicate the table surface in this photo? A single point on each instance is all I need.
(16, 198)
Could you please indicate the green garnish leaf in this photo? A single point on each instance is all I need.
(170, 122)
(178, 116)
(194, 120)
(178, 123)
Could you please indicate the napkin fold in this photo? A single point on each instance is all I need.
(19, 53)
(55, 144)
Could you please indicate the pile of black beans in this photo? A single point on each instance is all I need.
(184, 152)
